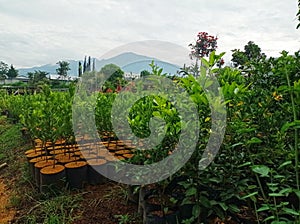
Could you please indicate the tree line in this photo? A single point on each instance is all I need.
(35, 78)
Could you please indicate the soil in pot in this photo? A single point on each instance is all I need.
(95, 168)
(29, 151)
(122, 152)
(52, 176)
(66, 158)
(76, 174)
(57, 151)
(128, 156)
(119, 157)
(35, 154)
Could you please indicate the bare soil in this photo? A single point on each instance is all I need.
(104, 203)
(7, 212)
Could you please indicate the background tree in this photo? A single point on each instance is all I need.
(37, 77)
(12, 72)
(3, 71)
(3, 68)
(63, 69)
(84, 65)
(79, 69)
(114, 76)
(251, 53)
(2, 78)
(145, 73)
(298, 14)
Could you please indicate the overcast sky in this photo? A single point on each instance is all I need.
(36, 32)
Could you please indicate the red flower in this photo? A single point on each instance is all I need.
(119, 88)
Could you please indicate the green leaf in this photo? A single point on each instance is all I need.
(204, 201)
(196, 210)
(205, 62)
(279, 177)
(191, 191)
(186, 201)
(285, 164)
(249, 195)
(223, 206)
(212, 58)
(244, 164)
(286, 191)
(288, 125)
(237, 144)
(263, 208)
(269, 218)
(234, 208)
(275, 195)
(261, 169)
(291, 211)
(279, 222)
(215, 180)
(254, 140)
(297, 192)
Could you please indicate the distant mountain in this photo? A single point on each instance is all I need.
(137, 67)
(128, 62)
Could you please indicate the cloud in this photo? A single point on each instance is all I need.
(37, 32)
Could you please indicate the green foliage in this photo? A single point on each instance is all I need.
(113, 75)
(56, 210)
(251, 53)
(63, 68)
(12, 72)
(3, 68)
(145, 73)
(37, 78)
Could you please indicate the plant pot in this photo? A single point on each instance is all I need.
(157, 217)
(76, 174)
(53, 176)
(149, 205)
(133, 195)
(35, 160)
(93, 176)
(38, 166)
(186, 211)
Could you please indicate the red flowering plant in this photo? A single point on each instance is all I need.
(205, 44)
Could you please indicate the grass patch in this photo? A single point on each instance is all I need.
(55, 210)
(11, 140)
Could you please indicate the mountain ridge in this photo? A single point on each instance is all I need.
(127, 61)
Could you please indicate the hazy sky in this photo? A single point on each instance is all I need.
(36, 32)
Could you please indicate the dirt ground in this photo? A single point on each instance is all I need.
(7, 213)
(106, 203)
